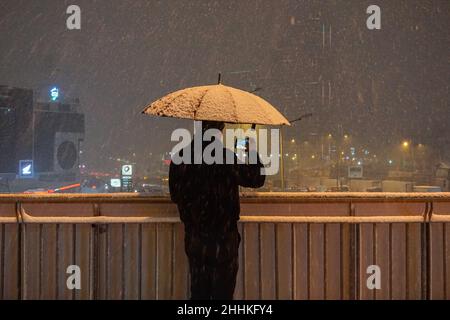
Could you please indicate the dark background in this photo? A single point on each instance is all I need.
(307, 56)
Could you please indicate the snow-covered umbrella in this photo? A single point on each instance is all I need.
(217, 103)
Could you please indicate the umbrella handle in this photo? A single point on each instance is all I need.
(253, 126)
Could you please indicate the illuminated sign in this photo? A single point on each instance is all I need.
(26, 169)
(127, 184)
(116, 183)
(54, 94)
(127, 170)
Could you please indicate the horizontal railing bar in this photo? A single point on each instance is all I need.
(300, 197)
(24, 217)
(440, 218)
(99, 220)
(82, 198)
(260, 197)
(333, 219)
(8, 220)
(27, 219)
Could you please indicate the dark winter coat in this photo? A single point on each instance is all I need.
(208, 201)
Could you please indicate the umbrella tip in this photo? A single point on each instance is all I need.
(219, 81)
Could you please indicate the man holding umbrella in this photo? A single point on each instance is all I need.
(207, 195)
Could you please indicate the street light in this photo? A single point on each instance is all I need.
(406, 146)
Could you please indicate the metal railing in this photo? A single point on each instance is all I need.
(294, 246)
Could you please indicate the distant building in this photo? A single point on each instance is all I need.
(49, 133)
(16, 136)
(58, 136)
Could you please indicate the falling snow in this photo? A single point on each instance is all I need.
(378, 86)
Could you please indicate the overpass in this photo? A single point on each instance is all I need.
(294, 246)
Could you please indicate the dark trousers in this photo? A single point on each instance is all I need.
(213, 266)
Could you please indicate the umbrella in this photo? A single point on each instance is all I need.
(217, 103)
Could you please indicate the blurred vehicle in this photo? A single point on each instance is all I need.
(343, 188)
(427, 189)
(297, 189)
(291, 188)
(150, 189)
(94, 185)
(321, 188)
(37, 191)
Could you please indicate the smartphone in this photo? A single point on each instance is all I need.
(241, 144)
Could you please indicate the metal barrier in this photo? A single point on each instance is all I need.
(294, 246)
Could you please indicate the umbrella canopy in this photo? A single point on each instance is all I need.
(217, 103)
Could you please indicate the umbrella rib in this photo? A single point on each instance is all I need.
(169, 104)
(199, 103)
(258, 104)
(236, 119)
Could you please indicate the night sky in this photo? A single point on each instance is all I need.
(307, 56)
